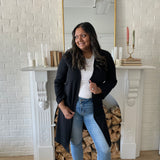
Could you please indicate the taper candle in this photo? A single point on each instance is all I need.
(45, 50)
(42, 54)
(133, 38)
(127, 36)
(29, 59)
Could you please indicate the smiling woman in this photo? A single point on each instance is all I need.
(82, 40)
(101, 14)
(85, 76)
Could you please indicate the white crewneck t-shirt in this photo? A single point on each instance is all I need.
(84, 91)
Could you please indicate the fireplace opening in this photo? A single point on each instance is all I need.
(113, 120)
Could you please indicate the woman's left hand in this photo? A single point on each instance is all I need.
(94, 88)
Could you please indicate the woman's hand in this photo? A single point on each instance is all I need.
(94, 88)
(67, 112)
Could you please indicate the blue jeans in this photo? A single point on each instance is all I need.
(84, 113)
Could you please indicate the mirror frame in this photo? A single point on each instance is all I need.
(115, 19)
(115, 16)
(63, 26)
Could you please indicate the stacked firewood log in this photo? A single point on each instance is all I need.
(113, 119)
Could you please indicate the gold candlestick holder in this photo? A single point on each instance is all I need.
(130, 61)
(130, 52)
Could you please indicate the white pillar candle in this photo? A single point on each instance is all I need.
(115, 53)
(118, 62)
(36, 59)
(44, 61)
(45, 50)
(112, 54)
(42, 49)
(42, 54)
(120, 53)
(29, 55)
(31, 59)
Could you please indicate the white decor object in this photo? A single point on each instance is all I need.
(31, 60)
(118, 56)
(36, 59)
(44, 58)
(114, 54)
(120, 53)
(118, 62)
(128, 93)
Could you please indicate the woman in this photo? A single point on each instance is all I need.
(86, 74)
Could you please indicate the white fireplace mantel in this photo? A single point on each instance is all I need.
(128, 93)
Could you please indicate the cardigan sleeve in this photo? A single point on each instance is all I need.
(60, 80)
(111, 77)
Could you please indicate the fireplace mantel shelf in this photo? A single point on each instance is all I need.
(55, 68)
(128, 93)
(135, 67)
(39, 68)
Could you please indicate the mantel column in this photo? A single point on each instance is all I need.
(41, 110)
(131, 125)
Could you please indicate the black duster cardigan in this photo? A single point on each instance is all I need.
(67, 84)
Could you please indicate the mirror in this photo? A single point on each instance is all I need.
(100, 13)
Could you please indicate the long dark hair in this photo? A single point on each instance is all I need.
(78, 59)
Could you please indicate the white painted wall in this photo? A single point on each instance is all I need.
(24, 25)
(144, 17)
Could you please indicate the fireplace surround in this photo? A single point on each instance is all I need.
(128, 93)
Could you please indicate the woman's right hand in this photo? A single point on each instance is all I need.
(67, 112)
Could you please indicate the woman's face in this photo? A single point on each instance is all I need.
(82, 39)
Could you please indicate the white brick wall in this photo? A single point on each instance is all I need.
(24, 25)
(144, 17)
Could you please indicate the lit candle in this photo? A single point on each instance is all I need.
(127, 36)
(133, 38)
